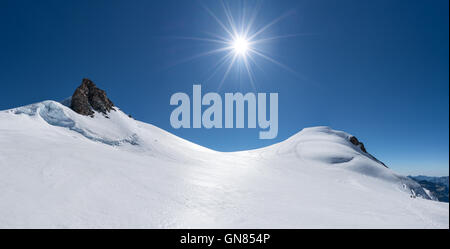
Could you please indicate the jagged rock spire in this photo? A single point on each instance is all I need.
(88, 98)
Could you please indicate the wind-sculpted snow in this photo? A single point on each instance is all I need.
(116, 129)
(96, 129)
(327, 147)
(61, 169)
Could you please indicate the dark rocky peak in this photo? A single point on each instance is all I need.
(88, 98)
(356, 142)
(360, 145)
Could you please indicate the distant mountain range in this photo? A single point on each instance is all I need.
(438, 186)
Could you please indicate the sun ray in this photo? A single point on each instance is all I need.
(216, 67)
(218, 21)
(228, 71)
(197, 56)
(230, 19)
(253, 42)
(209, 53)
(270, 24)
(275, 62)
(202, 39)
(250, 73)
(255, 63)
(272, 60)
(252, 19)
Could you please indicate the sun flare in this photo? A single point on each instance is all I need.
(243, 43)
(240, 46)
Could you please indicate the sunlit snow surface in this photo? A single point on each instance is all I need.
(59, 169)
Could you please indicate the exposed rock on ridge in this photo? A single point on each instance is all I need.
(359, 144)
(356, 142)
(88, 98)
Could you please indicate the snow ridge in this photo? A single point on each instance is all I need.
(57, 114)
(62, 169)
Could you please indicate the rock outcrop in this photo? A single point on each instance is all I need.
(359, 144)
(356, 142)
(88, 98)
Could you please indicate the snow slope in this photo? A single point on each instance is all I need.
(59, 169)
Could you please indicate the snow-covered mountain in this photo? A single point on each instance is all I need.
(60, 169)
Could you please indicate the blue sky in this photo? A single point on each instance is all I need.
(375, 69)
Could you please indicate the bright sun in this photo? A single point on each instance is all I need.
(240, 46)
(242, 43)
